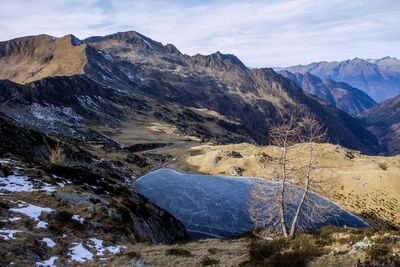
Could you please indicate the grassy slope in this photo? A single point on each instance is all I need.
(365, 185)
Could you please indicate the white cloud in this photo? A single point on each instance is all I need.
(261, 33)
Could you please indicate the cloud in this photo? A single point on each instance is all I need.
(261, 33)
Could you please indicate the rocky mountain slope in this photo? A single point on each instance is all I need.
(384, 121)
(340, 94)
(127, 75)
(58, 200)
(379, 78)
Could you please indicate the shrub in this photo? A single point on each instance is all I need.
(283, 252)
(379, 251)
(263, 249)
(382, 165)
(132, 254)
(212, 250)
(178, 252)
(57, 155)
(207, 261)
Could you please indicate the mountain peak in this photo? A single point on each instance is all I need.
(218, 61)
(131, 38)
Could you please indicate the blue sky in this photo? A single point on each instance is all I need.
(260, 33)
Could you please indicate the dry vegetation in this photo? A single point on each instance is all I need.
(366, 185)
(330, 246)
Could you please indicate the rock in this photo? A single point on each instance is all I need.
(236, 171)
(217, 159)
(114, 215)
(73, 198)
(234, 154)
(139, 160)
(363, 244)
(3, 171)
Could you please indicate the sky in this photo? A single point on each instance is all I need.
(267, 33)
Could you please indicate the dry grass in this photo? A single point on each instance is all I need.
(57, 155)
(64, 59)
(365, 185)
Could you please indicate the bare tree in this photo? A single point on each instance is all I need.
(312, 133)
(290, 205)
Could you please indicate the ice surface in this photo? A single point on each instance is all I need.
(48, 263)
(34, 213)
(217, 206)
(79, 253)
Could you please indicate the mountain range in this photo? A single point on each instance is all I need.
(340, 94)
(82, 120)
(379, 78)
(71, 87)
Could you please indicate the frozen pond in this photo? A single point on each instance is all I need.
(217, 206)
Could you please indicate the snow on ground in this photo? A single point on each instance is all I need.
(78, 218)
(50, 243)
(53, 114)
(79, 253)
(11, 219)
(14, 183)
(8, 234)
(98, 246)
(34, 213)
(49, 263)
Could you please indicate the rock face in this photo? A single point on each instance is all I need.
(345, 97)
(128, 73)
(384, 121)
(379, 78)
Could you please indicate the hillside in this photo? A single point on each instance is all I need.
(365, 185)
(345, 97)
(384, 121)
(379, 78)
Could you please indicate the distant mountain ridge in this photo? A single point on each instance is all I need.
(342, 95)
(379, 78)
(127, 75)
(384, 121)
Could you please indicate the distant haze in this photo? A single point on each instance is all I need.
(260, 33)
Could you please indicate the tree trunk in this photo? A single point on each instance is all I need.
(282, 193)
(296, 217)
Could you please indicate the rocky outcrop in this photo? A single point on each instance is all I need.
(125, 213)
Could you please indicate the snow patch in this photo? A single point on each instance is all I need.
(54, 114)
(34, 213)
(49, 263)
(15, 183)
(50, 243)
(80, 254)
(8, 234)
(98, 246)
(14, 219)
(78, 218)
